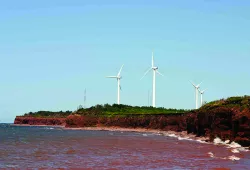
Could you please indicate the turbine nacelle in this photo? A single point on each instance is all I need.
(195, 86)
(155, 68)
(202, 91)
(196, 93)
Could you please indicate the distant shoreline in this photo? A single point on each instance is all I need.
(61, 126)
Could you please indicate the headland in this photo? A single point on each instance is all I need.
(228, 119)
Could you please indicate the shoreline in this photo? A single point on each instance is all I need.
(61, 126)
(181, 135)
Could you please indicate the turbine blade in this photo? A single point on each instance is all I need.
(204, 90)
(159, 73)
(120, 71)
(199, 85)
(192, 83)
(146, 73)
(111, 76)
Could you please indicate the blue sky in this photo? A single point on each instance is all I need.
(50, 51)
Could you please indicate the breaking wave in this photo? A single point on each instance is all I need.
(236, 148)
(233, 158)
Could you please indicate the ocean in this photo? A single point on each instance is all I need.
(44, 147)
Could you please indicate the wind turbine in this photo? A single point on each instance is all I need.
(155, 70)
(202, 92)
(118, 77)
(196, 93)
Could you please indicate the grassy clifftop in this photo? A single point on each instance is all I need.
(109, 110)
(48, 114)
(242, 102)
(115, 109)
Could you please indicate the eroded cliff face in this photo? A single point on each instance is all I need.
(39, 121)
(226, 123)
(163, 122)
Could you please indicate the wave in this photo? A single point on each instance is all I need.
(236, 148)
(233, 158)
(235, 151)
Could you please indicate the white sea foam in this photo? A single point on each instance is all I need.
(210, 154)
(144, 134)
(236, 148)
(158, 133)
(243, 149)
(234, 158)
(234, 145)
(171, 135)
(235, 151)
(218, 141)
(201, 141)
(181, 138)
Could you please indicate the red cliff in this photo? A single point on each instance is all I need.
(39, 121)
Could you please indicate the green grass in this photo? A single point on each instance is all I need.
(239, 101)
(115, 109)
(109, 111)
(48, 114)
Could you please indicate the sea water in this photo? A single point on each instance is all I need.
(34, 147)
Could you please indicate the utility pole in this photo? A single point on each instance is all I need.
(85, 98)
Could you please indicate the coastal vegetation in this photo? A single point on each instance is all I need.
(123, 110)
(242, 102)
(49, 114)
(110, 110)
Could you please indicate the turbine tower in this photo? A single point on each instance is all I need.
(118, 77)
(202, 92)
(196, 93)
(155, 70)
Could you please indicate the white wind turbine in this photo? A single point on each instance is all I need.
(118, 77)
(196, 93)
(155, 70)
(202, 92)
